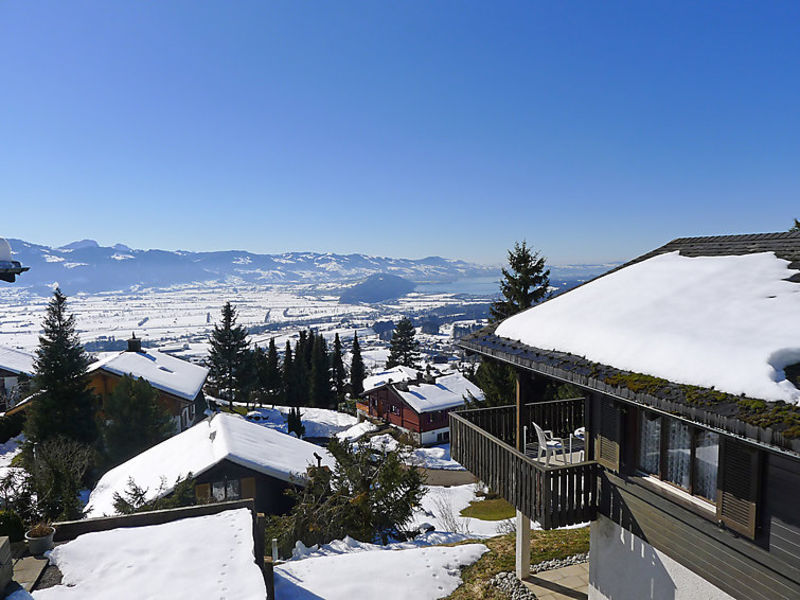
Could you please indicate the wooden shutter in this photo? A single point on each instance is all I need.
(607, 440)
(202, 492)
(249, 487)
(738, 487)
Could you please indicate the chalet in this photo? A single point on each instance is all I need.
(229, 458)
(16, 369)
(179, 383)
(683, 447)
(417, 404)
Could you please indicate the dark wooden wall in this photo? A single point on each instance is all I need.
(271, 498)
(767, 567)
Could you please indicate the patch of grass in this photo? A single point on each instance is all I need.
(545, 545)
(495, 509)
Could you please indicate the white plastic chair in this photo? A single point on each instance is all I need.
(549, 445)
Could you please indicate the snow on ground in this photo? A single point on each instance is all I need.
(348, 545)
(162, 561)
(433, 457)
(728, 322)
(319, 422)
(441, 508)
(357, 431)
(388, 574)
(375, 359)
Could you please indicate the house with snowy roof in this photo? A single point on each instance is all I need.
(16, 370)
(683, 449)
(179, 383)
(416, 403)
(229, 459)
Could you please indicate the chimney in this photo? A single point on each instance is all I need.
(134, 344)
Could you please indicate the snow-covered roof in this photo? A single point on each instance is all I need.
(16, 361)
(723, 321)
(162, 561)
(446, 392)
(163, 371)
(197, 449)
(393, 375)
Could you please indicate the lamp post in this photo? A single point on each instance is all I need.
(9, 269)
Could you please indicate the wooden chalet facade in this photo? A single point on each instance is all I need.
(419, 406)
(179, 383)
(229, 459)
(691, 491)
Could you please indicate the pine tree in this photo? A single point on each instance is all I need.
(796, 226)
(133, 420)
(64, 405)
(320, 391)
(294, 422)
(229, 359)
(288, 377)
(403, 349)
(272, 375)
(337, 366)
(301, 384)
(357, 371)
(525, 283)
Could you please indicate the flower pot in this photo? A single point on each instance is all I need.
(40, 545)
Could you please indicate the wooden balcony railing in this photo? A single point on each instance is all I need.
(555, 495)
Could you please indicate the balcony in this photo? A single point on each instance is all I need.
(483, 440)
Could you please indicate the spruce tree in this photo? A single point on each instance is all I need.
(320, 391)
(288, 377)
(337, 366)
(64, 404)
(357, 371)
(301, 384)
(796, 226)
(272, 375)
(229, 359)
(403, 349)
(525, 283)
(133, 420)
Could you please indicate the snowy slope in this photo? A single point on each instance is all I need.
(385, 574)
(728, 322)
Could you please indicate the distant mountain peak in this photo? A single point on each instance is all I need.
(87, 243)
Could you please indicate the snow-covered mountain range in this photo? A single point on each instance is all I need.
(85, 266)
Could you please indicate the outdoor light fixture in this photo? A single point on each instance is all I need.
(9, 269)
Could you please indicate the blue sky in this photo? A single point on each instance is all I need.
(595, 130)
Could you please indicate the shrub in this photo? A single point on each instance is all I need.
(11, 525)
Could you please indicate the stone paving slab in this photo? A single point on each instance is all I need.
(566, 583)
(28, 569)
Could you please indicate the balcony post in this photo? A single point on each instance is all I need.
(523, 397)
(523, 546)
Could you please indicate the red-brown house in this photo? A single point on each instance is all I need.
(415, 403)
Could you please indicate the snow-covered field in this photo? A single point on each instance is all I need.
(122, 564)
(382, 573)
(433, 457)
(318, 422)
(180, 318)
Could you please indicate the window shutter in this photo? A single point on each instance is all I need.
(249, 487)
(202, 492)
(738, 488)
(607, 440)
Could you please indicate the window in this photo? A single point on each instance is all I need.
(444, 436)
(228, 489)
(678, 453)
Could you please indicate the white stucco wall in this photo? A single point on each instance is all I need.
(622, 566)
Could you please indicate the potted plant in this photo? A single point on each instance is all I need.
(40, 538)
